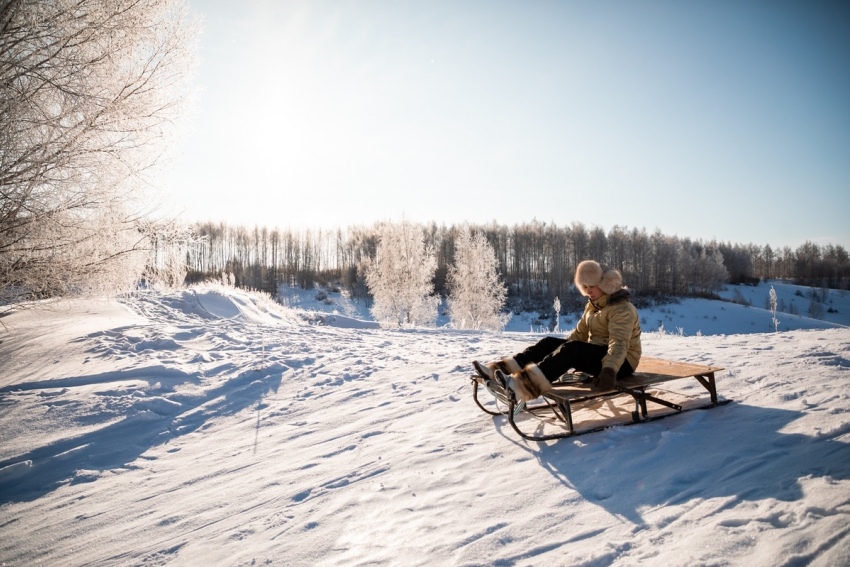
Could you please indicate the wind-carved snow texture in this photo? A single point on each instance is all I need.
(161, 431)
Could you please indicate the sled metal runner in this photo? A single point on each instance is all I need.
(564, 395)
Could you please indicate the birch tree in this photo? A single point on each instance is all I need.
(476, 296)
(400, 278)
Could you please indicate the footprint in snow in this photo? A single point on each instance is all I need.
(302, 495)
(603, 494)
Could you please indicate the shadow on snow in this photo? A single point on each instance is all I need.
(120, 443)
(735, 451)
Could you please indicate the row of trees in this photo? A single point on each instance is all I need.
(809, 264)
(536, 260)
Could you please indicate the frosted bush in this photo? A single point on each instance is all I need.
(773, 309)
(400, 278)
(557, 306)
(476, 296)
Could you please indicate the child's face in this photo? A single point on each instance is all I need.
(593, 292)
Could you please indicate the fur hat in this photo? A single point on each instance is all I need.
(590, 273)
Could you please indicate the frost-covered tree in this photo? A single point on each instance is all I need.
(401, 277)
(476, 296)
(702, 267)
(773, 306)
(557, 306)
(89, 94)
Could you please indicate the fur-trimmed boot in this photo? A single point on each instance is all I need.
(507, 365)
(529, 383)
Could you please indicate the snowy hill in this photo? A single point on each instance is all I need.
(688, 317)
(834, 304)
(212, 427)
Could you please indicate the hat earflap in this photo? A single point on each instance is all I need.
(591, 273)
(612, 282)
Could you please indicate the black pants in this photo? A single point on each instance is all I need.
(556, 356)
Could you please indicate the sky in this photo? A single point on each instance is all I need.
(705, 119)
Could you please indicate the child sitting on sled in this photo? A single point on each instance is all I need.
(604, 344)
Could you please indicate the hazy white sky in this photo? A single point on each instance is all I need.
(726, 119)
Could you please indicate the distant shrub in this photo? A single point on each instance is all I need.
(738, 297)
(815, 309)
(705, 295)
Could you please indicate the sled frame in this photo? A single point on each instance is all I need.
(560, 400)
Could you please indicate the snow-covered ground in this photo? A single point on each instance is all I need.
(711, 317)
(835, 304)
(212, 427)
(688, 317)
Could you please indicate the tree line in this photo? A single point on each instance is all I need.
(536, 259)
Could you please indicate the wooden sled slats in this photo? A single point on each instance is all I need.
(559, 401)
(672, 368)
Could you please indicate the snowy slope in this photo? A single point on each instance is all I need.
(836, 308)
(207, 427)
(694, 316)
(688, 317)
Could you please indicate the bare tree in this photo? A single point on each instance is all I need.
(89, 94)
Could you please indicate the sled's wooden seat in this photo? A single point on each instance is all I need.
(650, 371)
(575, 390)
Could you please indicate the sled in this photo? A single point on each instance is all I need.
(573, 391)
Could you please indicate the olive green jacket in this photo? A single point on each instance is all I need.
(611, 321)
